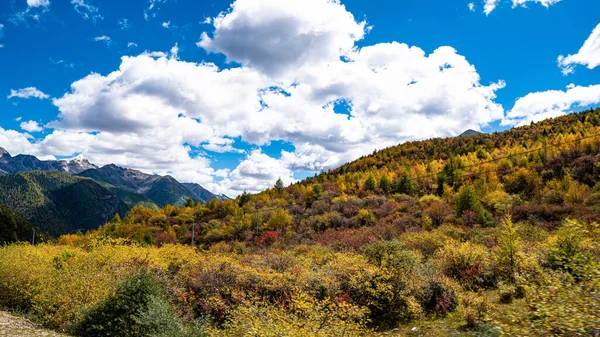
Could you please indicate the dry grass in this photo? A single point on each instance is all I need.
(12, 326)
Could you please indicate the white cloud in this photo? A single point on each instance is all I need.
(545, 3)
(175, 51)
(166, 24)
(256, 173)
(87, 10)
(18, 119)
(16, 142)
(276, 36)
(221, 145)
(472, 6)
(552, 103)
(490, 5)
(588, 55)
(150, 11)
(131, 44)
(103, 38)
(30, 92)
(31, 126)
(124, 24)
(38, 3)
(63, 63)
(155, 54)
(156, 111)
(34, 11)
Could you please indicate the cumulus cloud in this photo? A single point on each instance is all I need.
(166, 24)
(472, 6)
(16, 142)
(26, 93)
(87, 10)
(31, 126)
(221, 145)
(276, 36)
(257, 172)
(302, 80)
(38, 3)
(552, 103)
(588, 55)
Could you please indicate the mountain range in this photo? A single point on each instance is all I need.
(26, 163)
(63, 196)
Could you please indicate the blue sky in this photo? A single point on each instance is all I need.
(291, 92)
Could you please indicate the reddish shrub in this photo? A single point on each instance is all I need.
(267, 238)
(346, 239)
(469, 218)
(163, 238)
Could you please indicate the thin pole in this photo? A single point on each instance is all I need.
(256, 220)
(193, 232)
(33, 238)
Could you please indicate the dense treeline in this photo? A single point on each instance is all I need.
(484, 235)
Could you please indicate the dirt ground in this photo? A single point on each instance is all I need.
(13, 326)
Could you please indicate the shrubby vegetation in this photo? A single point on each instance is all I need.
(491, 234)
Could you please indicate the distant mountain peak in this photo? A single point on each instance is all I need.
(3, 152)
(76, 165)
(470, 133)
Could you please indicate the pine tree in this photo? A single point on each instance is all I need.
(384, 183)
(509, 244)
(404, 184)
(370, 183)
(279, 186)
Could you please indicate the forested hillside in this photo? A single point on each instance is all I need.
(59, 203)
(15, 228)
(540, 174)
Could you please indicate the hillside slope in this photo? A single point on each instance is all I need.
(15, 228)
(59, 203)
(541, 173)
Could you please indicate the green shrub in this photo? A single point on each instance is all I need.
(425, 242)
(391, 254)
(366, 217)
(566, 250)
(467, 202)
(475, 309)
(506, 293)
(561, 306)
(138, 308)
(468, 263)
